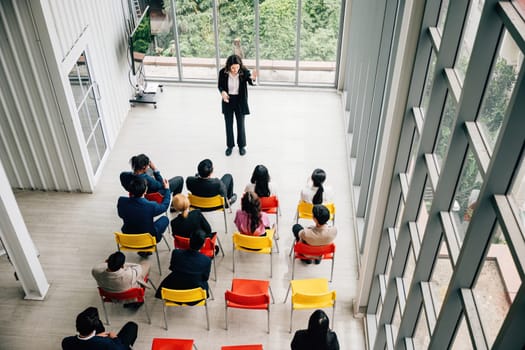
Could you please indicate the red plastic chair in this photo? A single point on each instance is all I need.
(249, 294)
(243, 347)
(270, 205)
(306, 251)
(154, 197)
(171, 344)
(207, 249)
(130, 295)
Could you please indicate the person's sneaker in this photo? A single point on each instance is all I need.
(306, 261)
(228, 151)
(217, 250)
(242, 151)
(233, 198)
(144, 254)
(317, 261)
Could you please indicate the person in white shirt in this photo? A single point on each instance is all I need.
(316, 192)
(260, 182)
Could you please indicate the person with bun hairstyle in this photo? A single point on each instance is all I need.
(316, 192)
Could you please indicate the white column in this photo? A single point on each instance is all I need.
(19, 245)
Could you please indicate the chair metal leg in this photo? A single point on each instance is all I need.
(207, 317)
(167, 244)
(291, 248)
(276, 244)
(268, 320)
(287, 292)
(293, 267)
(332, 269)
(158, 261)
(225, 222)
(271, 265)
(165, 318)
(291, 318)
(211, 293)
(226, 315)
(233, 259)
(147, 313)
(271, 294)
(105, 311)
(220, 245)
(215, 270)
(152, 285)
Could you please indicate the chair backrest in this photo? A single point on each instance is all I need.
(170, 344)
(304, 210)
(154, 197)
(254, 301)
(175, 297)
(314, 300)
(208, 248)
(270, 203)
(322, 251)
(256, 243)
(243, 347)
(216, 202)
(135, 294)
(135, 241)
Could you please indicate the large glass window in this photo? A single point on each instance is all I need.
(499, 89)
(467, 39)
(410, 266)
(445, 130)
(421, 335)
(429, 82)
(517, 192)
(442, 15)
(462, 339)
(441, 274)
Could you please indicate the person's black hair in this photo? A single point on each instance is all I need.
(234, 59)
(139, 162)
(251, 204)
(116, 261)
(205, 168)
(321, 213)
(137, 186)
(318, 329)
(197, 239)
(261, 178)
(318, 177)
(86, 323)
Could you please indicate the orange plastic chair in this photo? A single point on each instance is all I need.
(171, 343)
(270, 205)
(207, 249)
(130, 295)
(306, 251)
(243, 347)
(249, 294)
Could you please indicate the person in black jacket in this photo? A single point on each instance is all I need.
(232, 84)
(318, 336)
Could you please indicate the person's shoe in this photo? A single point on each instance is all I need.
(233, 198)
(306, 261)
(317, 261)
(228, 151)
(217, 250)
(134, 305)
(242, 151)
(144, 254)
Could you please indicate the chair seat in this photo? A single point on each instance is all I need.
(170, 344)
(243, 347)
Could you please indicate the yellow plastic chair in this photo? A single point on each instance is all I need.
(184, 297)
(311, 294)
(210, 204)
(254, 244)
(304, 211)
(137, 242)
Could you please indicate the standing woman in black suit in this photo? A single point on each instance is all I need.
(233, 80)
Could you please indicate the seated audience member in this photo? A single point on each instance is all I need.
(315, 191)
(115, 275)
(318, 336)
(203, 185)
(260, 182)
(142, 166)
(92, 336)
(250, 220)
(320, 234)
(187, 222)
(189, 268)
(138, 213)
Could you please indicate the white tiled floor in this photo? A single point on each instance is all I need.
(291, 131)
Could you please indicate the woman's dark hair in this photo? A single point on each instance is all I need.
(318, 177)
(318, 329)
(234, 59)
(139, 162)
(251, 204)
(261, 178)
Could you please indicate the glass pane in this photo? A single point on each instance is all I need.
(319, 36)
(517, 191)
(388, 265)
(85, 121)
(79, 79)
(442, 15)
(466, 195)
(441, 275)
(445, 130)
(410, 266)
(520, 6)
(396, 320)
(496, 286)
(421, 335)
(96, 147)
(422, 215)
(413, 154)
(278, 21)
(163, 59)
(429, 80)
(499, 89)
(469, 33)
(197, 37)
(237, 29)
(462, 337)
